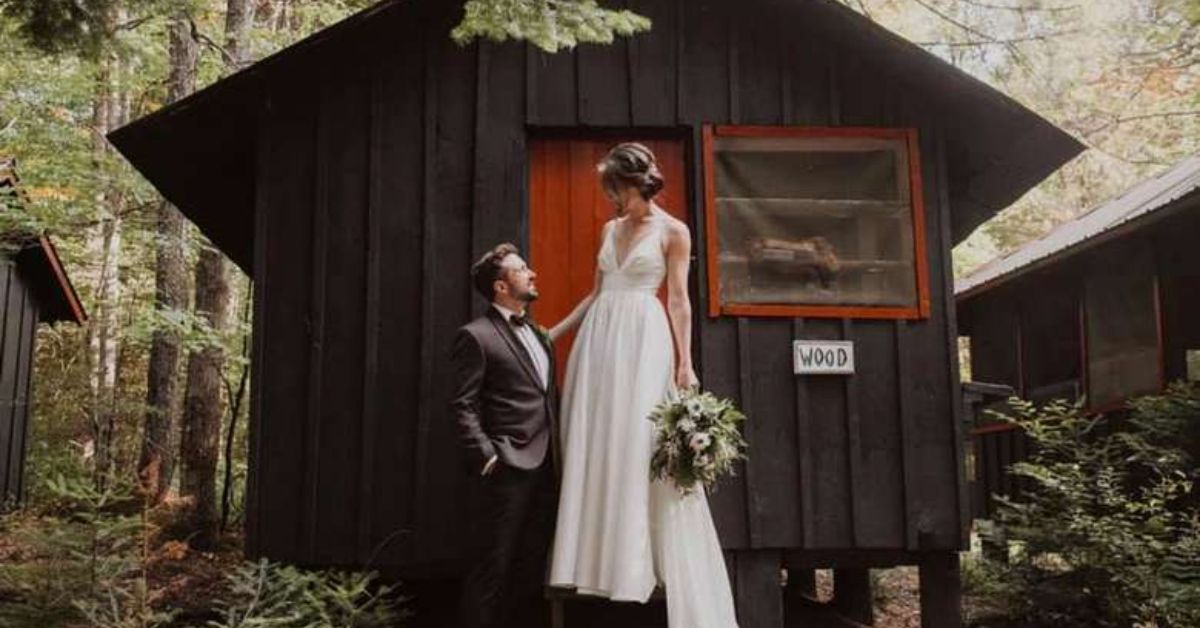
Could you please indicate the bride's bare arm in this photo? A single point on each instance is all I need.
(679, 304)
(576, 316)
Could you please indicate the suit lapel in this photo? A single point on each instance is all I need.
(551, 367)
(515, 345)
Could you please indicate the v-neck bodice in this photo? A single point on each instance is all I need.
(644, 266)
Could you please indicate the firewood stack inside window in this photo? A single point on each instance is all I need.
(819, 220)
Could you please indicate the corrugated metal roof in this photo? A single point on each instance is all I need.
(1142, 199)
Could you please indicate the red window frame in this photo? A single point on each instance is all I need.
(921, 265)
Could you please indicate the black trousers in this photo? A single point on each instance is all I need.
(513, 528)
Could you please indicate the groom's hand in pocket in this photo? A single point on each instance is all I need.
(490, 465)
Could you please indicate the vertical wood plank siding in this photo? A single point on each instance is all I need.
(448, 294)
(379, 188)
(283, 351)
(13, 293)
(21, 408)
(18, 324)
(400, 132)
(345, 115)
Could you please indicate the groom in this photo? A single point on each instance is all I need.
(506, 405)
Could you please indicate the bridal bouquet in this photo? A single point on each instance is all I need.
(697, 439)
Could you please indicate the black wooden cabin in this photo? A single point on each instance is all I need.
(357, 174)
(1104, 307)
(34, 289)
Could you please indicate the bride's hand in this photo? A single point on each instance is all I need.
(685, 377)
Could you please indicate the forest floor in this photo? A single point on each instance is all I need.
(192, 582)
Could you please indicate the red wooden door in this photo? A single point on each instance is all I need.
(567, 214)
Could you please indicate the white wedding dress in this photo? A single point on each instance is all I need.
(618, 532)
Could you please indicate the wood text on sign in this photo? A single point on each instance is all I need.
(823, 357)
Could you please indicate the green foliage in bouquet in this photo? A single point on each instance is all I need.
(697, 439)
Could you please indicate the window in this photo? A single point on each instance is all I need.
(815, 222)
(1123, 356)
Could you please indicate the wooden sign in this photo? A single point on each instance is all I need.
(823, 357)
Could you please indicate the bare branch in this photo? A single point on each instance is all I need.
(865, 11)
(1021, 9)
(962, 25)
(999, 42)
(1013, 50)
(1146, 116)
(207, 41)
(133, 24)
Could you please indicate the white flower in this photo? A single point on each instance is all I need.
(686, 425)
(701, 461)
(700, 441)
(693, 407)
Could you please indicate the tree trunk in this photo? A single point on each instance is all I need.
(237, 30)
(103, 344)
(157, 461)
(200, 446)
(105, 245)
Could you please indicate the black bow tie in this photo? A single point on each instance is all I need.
(519, 320)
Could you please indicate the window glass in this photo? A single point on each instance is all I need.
(1122, 331)
(814, 221)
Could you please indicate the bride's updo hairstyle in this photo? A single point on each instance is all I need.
(633, 164)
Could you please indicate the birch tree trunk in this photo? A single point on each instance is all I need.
(157, 460)
(103, 332)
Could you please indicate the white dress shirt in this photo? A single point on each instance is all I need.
(537, 353)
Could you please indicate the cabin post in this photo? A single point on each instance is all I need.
(941, 590)
(801, 578)
(757, 590)
(852, 594)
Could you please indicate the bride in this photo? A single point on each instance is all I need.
(619, 533)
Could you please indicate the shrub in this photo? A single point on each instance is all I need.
(85, 566)
(276, 595)
(1109, 532)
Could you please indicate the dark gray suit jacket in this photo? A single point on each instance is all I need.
(499, 404)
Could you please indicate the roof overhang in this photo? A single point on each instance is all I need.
(38, 260)
(57, 299)
(200, 152)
